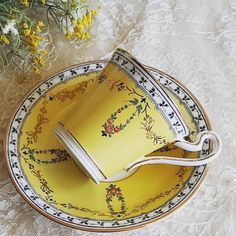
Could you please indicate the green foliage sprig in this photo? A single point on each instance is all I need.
(25, 41)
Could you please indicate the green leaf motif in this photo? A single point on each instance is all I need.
(134, 101)
(139, 108)
(31, 154)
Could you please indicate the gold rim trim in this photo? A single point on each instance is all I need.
(97, 229)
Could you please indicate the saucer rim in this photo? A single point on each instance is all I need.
(98, 229)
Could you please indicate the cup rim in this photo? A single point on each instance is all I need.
(155, 84)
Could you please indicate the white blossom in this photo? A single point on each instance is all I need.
(10, 27)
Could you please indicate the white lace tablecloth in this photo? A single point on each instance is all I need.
(195, 41)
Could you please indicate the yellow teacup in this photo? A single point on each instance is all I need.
(126, 116)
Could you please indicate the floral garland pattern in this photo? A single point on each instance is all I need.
(61, 155)
(41, 119)
(150, 134)
(43, 183)
(65, 94)
(44, 186)
(141, 106)
(110, 128)
(82, 209)
(115, 192)
(62, 95)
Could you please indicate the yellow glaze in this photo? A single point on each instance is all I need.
(54, 175)
(118, 122)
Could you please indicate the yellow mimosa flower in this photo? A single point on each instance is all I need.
(4, 39)
(36, 70)
(79, 26)
(35, 59)
(25, 25)
(73, 22)
(25, 2)
(68, 33)
(37, 28)
(43, 52)
(27, 32)
(41, 24)
(41, 61)
(35, 44)
(94, 12)
(78, 35)
(85, 21)
(89, 18)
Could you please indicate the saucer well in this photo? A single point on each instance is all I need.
(49, 180)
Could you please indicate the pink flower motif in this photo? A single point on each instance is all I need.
(113, 191)
(117, 129)
(109, 128)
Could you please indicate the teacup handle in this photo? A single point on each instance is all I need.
(195, 146)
